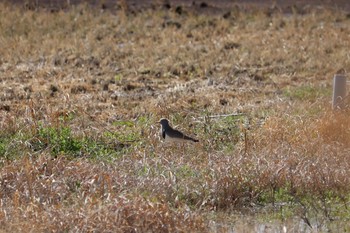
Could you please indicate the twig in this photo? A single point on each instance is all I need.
(223, 115)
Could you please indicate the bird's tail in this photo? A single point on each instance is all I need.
(191, 139)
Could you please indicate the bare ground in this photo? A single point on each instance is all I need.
(208, 6)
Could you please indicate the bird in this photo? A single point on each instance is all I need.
(172, 135)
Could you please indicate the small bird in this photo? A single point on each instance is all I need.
(172, 135)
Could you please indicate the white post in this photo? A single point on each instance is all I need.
(339, 91)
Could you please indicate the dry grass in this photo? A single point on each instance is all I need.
(81, 91)
(50, 195)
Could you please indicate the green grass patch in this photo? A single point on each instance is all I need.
(59, 140)
(12, 145)
(224, 132)
(3, 146)
(307, 93)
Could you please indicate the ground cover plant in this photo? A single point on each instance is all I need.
(82, 90)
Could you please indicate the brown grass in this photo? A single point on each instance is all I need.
(51, 195)
(109, 77)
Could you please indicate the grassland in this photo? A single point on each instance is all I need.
(81, 92)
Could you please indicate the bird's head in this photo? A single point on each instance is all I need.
(164, 122)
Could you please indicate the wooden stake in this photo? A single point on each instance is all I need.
(339, 91)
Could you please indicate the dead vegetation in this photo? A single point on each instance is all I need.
(81, 91)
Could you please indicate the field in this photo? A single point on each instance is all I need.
(82, 91)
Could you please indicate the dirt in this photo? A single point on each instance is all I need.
(207, 6)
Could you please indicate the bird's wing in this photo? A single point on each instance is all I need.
(163, 133)
(177, 134)
(189, 138)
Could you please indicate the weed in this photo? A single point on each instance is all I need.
(59, 140)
